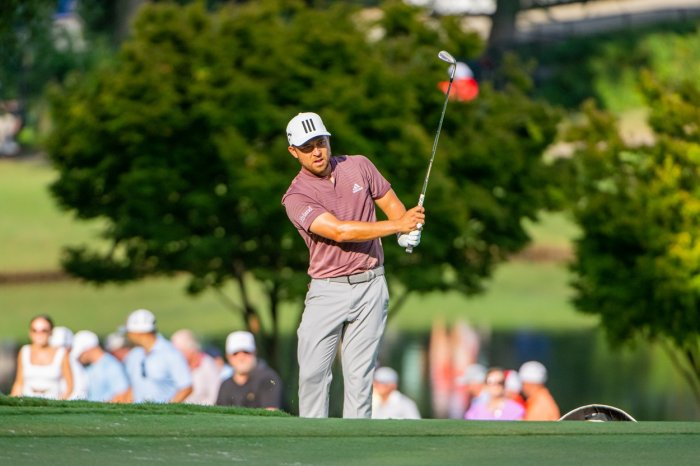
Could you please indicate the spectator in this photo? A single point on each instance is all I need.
(253, 384)
(40, 366)
(106, 377)
(62, 337)
(498, 407)
(117, 344)
(10, 126)
(156, 370)
(473, 381)
(225, 369)
(514, 387)
(205, 373)
(387, 401)
(539, 403)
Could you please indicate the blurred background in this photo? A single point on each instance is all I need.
(143, 160)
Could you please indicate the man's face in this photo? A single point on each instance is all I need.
(242, 362)
(138, 339)
(384, 389)
(314, 155)
(475, 388)
(86, 357)
(528, 388)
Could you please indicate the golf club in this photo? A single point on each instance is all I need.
(446, 57)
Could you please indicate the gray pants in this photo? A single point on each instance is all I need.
(353, 316)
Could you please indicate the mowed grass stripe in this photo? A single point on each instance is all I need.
(37, 431)
(337, 447)
(372, 451)
(87, 424)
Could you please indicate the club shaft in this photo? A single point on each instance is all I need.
(435, 144)
(421, 198)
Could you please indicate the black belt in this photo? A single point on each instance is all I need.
(358, 277)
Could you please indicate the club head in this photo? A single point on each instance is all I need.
(446, 57)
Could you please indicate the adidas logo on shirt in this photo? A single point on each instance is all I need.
(356, 188)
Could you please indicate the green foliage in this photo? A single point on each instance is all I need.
(24, 26)
(179, 145)
(37, 50)
(638, 261)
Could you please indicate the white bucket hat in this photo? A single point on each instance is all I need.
(304, 127)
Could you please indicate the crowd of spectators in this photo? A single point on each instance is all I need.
(139, 364)
(496, 394)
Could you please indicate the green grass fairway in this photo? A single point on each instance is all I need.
(84, 433)
(33, 229)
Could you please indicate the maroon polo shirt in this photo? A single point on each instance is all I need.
(357, 183)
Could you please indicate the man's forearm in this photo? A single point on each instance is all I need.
(328, 226)
(181, 395)
(365, 231)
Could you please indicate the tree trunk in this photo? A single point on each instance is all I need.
(503, 25)
(125, 11)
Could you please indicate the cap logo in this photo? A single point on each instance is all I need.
(308, 125)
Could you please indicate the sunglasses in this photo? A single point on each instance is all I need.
(41, 330)
(320, 143)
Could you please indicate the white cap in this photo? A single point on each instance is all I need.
(304, 127)
(115, 340)
(475, 373)
(240, 341)
(513, 383)
(386, 375)
(61, 337)
(82, 341)
(141, 321)
(533, 372)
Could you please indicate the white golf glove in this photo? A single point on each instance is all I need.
(411, 239)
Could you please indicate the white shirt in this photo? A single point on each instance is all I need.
(396, 406)
(205, 382)
(42, 380)
(80, 380)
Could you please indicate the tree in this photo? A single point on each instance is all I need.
(179, 146)
(638, 261)
(37, 49)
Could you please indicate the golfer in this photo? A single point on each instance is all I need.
(331, 203)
